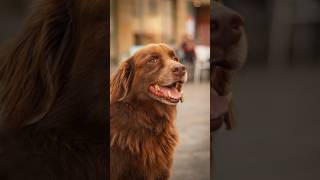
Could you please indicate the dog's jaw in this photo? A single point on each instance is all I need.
(170, 94)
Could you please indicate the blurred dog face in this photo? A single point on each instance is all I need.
(228, 37)
(154, 72)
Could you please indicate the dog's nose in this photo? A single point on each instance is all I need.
(179, 70)
(226, 26)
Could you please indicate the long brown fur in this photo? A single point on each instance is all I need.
(143, 134)
(53, 94)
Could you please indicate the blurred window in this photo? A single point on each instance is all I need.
(136, 8)
(153, 7)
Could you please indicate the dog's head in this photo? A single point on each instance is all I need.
(154, 72)
(228, 38)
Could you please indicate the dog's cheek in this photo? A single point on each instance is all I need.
(243, 48)
(185, 78)
(156, 74)
(142, 80)
(217, 52)
(238, 54)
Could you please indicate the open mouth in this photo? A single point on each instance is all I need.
(170, 94)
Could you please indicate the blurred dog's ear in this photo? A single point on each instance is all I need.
(33, 68)
(121, 81)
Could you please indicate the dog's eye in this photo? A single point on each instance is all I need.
(153, 59)
(176, 59)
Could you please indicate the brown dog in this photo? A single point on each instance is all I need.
(144, 94)
(229, 49)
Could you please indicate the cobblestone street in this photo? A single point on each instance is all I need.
(192, 158)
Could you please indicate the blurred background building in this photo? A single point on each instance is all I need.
(139, 22)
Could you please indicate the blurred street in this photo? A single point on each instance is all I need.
(277, 133)
(192, 158)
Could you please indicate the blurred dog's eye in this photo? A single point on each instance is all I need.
(176, 59)
(153, 59)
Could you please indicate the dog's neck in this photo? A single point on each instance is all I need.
(155, 110)
(155, 121)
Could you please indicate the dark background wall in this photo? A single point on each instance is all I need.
(276, 95)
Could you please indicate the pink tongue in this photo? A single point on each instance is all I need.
(173, 92)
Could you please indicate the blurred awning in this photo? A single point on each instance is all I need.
(198, 3)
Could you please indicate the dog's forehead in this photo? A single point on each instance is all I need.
(154, 49)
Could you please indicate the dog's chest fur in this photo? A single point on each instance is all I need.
(146, 140)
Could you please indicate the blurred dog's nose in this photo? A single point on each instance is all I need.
(226, 26)
(179, 70)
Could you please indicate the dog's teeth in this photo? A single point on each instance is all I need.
(178, 87)
(169, 94)
(157, 87)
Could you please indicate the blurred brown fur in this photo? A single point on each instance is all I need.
(53, 78)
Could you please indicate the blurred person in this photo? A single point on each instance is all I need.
(189, 54)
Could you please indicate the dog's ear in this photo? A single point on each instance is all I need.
(121, 81)
(34, 67)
